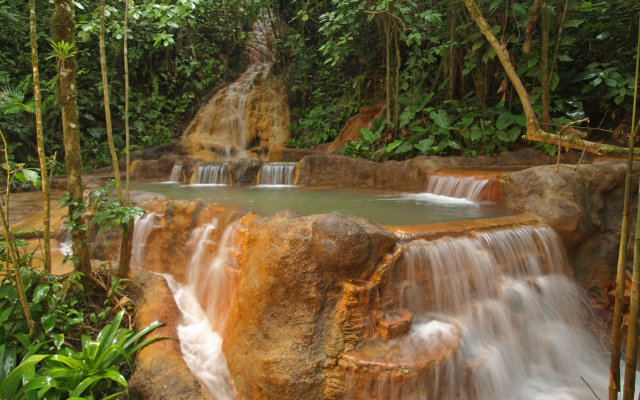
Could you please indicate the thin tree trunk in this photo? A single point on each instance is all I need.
(616, 328)
(126, 241)
(387, 42)
(63, 28)
(556, 48)
(41, 155)
(107, 108)
(632, 332)
(544, 22)
(503, 56)
(396, 109)
(631, 357)
(126, 98)
(533, 19)
(451, 72)
(6, 226)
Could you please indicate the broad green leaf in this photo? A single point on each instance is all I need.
(424, 145)
(440, 118)
(8, 292)
(48, 322)
(40, 293)
(505, 120)
(18, 372)
(391, 146)
(573, 23)
(4, 315)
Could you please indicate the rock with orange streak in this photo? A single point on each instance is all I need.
(279, 327)
(160, 372)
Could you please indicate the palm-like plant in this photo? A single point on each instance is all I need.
(82, 374)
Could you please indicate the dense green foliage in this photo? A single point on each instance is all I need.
(451, 91)
(447, 91)
(178, 52)
(62, 361)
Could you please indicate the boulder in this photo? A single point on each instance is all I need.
(158, 169)
(281, 322)
(584, 205)
(245, 170)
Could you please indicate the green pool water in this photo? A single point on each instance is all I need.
(384, 207)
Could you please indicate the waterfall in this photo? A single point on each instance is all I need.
(143, 224)
(521, 320)
(246, 118)
(212, 174)
(278, 174)
(176, 173)
(470, 188)
(210, 283)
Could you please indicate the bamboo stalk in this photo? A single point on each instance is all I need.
(616, 328)
(39, 135)
(107, 108)
(6, 227)
(631, 357)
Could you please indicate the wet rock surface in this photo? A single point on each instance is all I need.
(287, 294)
(244, 170)
(343, 171)
(584, 205)
(160, 373)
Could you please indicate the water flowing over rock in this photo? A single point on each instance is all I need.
(470, 185)
(211, 174)
(278, 174)
(584, 206)
(246, 118)
(176, 174)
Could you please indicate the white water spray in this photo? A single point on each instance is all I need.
(469, 188)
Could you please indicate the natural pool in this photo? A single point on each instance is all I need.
(384, 207)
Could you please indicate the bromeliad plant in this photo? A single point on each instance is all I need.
(86, 374)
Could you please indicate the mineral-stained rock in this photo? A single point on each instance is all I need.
(281, 153)
(278, 330)
(570, 200)
(584, 205)
(341, 171)
(160, 372)
(155, 168)
(353, 126)
(167, 243)
(244, 170)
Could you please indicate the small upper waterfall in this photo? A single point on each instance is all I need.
(469, 188)
(248, 117)
(176, 174)
(278, 174)
(471, 185)
(212, 174)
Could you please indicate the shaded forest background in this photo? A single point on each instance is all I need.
(446, 89)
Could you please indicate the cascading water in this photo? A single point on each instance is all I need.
(143, 224)
(176, 174)
(278, 174)
(204, 302)
(520, 318)
(248, 117)
(469, 188)
(212, 174)
(490, 316)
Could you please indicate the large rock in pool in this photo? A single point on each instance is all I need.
(280, 325)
